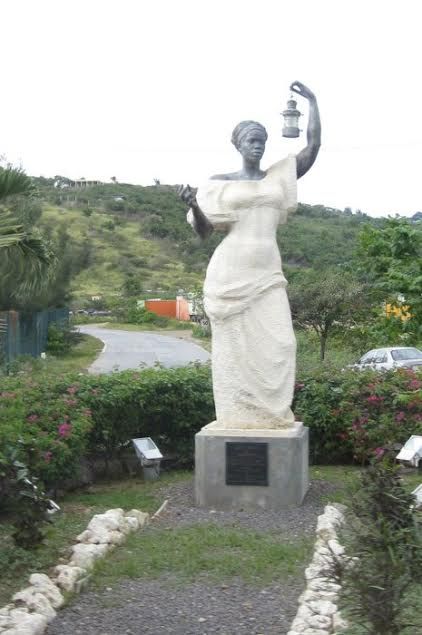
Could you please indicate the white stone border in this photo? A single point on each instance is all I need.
(318, 613)
(35, 606)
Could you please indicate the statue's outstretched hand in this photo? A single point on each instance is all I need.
(187, 195)
(302, 90)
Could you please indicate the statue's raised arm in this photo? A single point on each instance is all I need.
(306, 157)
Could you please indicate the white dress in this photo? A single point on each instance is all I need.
(253, 344)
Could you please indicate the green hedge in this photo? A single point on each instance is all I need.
(57, 421)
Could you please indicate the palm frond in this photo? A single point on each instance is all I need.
(14, 181)
(25, 256)
(11, 234)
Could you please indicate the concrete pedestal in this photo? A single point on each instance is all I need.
(276, 457)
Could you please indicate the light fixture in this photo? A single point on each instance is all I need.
(291, 120)
(417, 493)
(150, 457)
(411, 452)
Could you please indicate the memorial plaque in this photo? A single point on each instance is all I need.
(246, 463)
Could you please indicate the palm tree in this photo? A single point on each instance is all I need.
(26, 251)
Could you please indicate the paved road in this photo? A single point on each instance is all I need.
(129, 349)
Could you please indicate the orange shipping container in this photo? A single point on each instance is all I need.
(177, 309)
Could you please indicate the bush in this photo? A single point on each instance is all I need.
(46, 424)
(60, 339)
(201, 331)
(56, 422)
(170, 405)
(384, 539)
(352, 414)
(137, 315)
(26, 500)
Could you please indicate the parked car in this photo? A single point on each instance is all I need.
(390, 358)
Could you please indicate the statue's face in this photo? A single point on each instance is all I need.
(252, 145)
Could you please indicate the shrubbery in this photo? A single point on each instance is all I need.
(60, 339)
(353, 414)
(46, 423)
(56, 422)
(139, 315)
(383, 536)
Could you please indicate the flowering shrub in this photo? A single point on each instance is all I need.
(48, 429)
(354, 415)
(55, 422)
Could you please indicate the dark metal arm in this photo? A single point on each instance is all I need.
(306, 157)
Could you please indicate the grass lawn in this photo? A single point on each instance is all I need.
(217, 552)
(187, 552)
(184, 552)
(77, 508)
(77, 360)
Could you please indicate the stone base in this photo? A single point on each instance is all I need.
(286, 461)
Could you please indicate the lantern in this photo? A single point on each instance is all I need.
(291, 120)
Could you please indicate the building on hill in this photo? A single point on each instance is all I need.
(63, 183)
(86, 182)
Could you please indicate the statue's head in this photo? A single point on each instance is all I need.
(249, 138)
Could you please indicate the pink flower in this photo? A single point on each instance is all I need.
(72, 390)
(64, 429)
(48, 456)
(379, 452)
(374, 400)
(299, 386)
(32, 418)
(415, 384)
(87, 412)
(400, 416)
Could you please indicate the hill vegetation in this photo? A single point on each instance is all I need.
(121, 238)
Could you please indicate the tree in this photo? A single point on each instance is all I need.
(323, 300)
(132, 285)
(26, 257)
(390, 260)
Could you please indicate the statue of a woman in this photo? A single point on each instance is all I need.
(253, 344)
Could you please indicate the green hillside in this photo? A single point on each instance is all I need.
(127, 234)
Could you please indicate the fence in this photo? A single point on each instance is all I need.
(26, 333)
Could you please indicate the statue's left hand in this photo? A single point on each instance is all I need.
(301, 89)
(187, 194)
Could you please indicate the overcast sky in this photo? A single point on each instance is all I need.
(140, 89)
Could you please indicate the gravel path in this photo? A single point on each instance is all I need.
(133, 607)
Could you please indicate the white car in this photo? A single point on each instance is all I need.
(390, 358)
